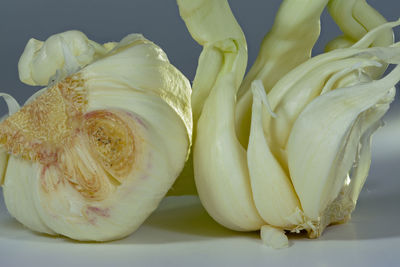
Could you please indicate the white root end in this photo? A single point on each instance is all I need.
(273, 237)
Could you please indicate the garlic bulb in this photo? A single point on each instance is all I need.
(92, 155)
(307, 151)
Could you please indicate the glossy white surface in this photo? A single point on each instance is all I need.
(180, 233)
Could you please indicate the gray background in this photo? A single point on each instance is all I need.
(375, 223)
(158, 20)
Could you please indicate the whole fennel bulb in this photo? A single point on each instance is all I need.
(287, 148)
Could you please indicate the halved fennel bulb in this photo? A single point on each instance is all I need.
(92, 154)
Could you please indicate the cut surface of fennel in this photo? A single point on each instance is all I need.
(93, 154)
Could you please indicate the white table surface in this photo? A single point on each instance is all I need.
(180, 233)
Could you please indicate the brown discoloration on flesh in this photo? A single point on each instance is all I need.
(48, 180)
(72, 147)
(112, 142)
(86, 175)
(39, 130)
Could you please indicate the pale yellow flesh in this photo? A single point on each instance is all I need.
(98, 149)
